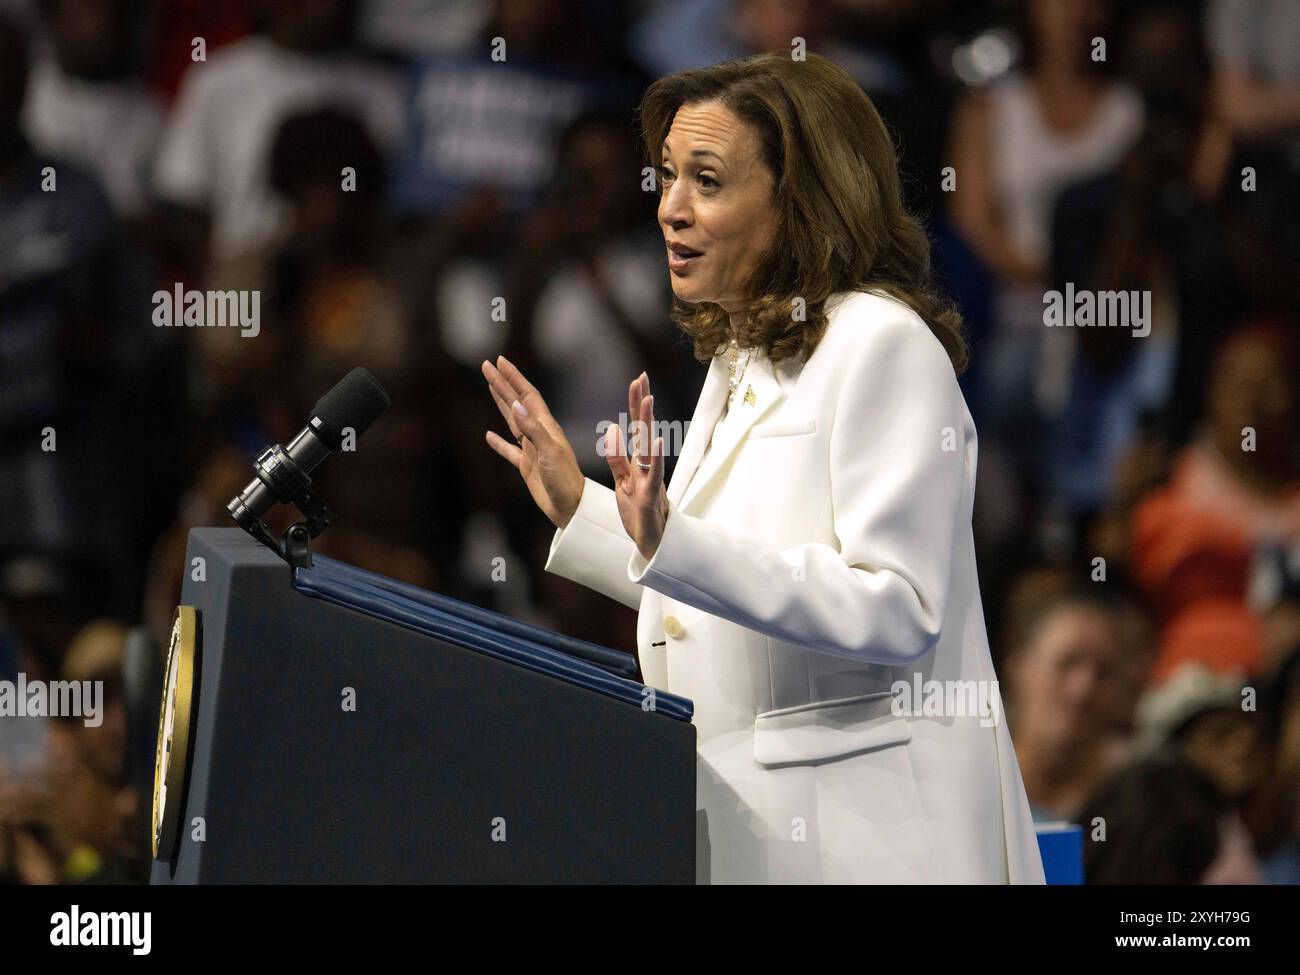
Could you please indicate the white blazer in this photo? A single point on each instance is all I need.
(836, 568)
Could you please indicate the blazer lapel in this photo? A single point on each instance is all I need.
(707, 410)
(758, 393)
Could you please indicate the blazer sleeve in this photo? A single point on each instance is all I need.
(593, 548)
(897, 457)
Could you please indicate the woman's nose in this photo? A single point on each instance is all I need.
(674, 207)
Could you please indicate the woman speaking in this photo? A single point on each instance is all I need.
(811, 567)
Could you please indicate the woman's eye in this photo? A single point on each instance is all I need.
(706, 182)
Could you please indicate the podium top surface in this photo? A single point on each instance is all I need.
(594, 667)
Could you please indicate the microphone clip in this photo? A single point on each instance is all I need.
(288, 483)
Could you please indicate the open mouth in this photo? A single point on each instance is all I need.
(680, 256)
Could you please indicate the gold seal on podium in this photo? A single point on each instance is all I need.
(171, 768)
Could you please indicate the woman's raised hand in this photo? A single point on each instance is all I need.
(639, 483)
(541, 453)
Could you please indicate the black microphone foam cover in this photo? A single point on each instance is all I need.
(356, 401)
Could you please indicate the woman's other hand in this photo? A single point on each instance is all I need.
(639, 482)
(541, 453)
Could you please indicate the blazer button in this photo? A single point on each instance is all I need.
(673, 627)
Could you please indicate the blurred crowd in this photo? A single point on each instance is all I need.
(417, 185)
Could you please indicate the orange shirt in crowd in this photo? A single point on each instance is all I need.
(1193, 541)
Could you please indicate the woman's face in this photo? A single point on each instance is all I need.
(1067, 677)
(716, 200)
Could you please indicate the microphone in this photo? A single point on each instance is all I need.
(348, 409)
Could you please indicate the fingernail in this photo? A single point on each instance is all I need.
(519, 408)
(645, 377)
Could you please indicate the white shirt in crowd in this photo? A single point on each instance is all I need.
(110, 128)
(215, 152)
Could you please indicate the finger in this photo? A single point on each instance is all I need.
(504, 407)
(618, 464)
(528, 394)
(656, 471)
(516, 378)
(500, 384)
(635, 393)
(507, 450)
(644, 435)
(530, 425)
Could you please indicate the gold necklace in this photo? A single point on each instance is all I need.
(734, 377)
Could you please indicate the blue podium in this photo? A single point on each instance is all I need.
(327, 724)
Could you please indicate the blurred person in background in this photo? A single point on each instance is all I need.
(86, 102)
(1162, 821)
(73, 362)
(1066, 677)
(211, 173)
(1172, 221)
(1203, 717)
(43, 602)
(674, 35)
(37, 620)
(327, 302)
(1237, 485)
(482, 150)
(1116, 232)
(421, 27)
(1024, 585)
(1142, 465)
(1275, 814)
(100, 813)
(98, 653)
(1014, 146)
(1257, 99)
(170, 31)
(26, 808)
(1258, 82)
(489, 116)
(76, 818)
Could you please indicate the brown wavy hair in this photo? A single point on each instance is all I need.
(842, 225)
